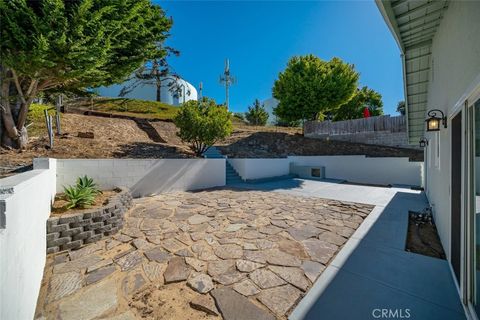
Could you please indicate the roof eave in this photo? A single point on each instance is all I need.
(389, 17)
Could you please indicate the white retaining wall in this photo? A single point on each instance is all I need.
(251, 169)
(367, 170)
(24, 208)
(144, 176)
(359, 169)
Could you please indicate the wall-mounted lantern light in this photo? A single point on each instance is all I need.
(435, 117)
(423, 142)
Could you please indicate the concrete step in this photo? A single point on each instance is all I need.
(213, 153)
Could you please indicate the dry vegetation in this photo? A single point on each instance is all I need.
(153, 138)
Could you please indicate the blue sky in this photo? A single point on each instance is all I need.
(260, 37)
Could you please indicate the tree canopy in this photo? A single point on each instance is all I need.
(256, 114)
(71, 45)
(202, 123)
(309, 87)
(353, 109)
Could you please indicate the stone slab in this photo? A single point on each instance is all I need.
(280, 299)
(312, 269)
(201, 283)
(177, 270)
(130, 260)
(319, 250)
(158, 254)
(64, 284)
(99, 274)
(247, 266)
(265, 278)
(234, 306)
(90, 303)
(294, 276)
(204, 303)
(154, 271)
(246, 288)
(228, 251)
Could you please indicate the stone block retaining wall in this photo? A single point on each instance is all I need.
(74, 230)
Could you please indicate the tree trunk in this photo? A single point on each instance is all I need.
(158, 93)
(13, 111)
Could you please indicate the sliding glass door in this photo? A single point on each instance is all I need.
(472, 185)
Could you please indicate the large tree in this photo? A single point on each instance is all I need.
(157, 73)
(363, 98)
(309, 87)
(70, 45)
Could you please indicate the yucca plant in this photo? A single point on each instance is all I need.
(87, 183)
(79, 197)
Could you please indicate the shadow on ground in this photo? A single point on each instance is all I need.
(142, 150)
(373, 272)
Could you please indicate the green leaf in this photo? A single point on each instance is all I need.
(202, 123)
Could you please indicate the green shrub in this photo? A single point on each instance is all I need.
(82, 194)
(202, 124)
(256, 114)
(79, 197)
(87, 183)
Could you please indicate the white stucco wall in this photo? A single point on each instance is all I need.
(455, 68)
(239, 166)
(144, 176)
(251, 169)
(361, 169)
(22, 241)
(352, 168)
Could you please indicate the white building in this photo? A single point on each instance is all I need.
(172, 91)
(440, 45)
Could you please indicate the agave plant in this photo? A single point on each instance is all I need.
(79, 197)
(87, 183)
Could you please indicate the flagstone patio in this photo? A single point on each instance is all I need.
(198, 255)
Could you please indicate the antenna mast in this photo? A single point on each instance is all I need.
(227, 80)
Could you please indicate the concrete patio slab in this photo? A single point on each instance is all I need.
(351, 297)
(373, 272)
(328, 189)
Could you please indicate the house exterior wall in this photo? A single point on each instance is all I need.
(455, 66)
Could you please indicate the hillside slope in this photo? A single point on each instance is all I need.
(143, 138)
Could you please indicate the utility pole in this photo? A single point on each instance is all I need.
(227, 80)
(200, 90)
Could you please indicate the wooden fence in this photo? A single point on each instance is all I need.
(379, 123)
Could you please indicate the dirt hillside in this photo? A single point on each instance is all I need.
(141, 138)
